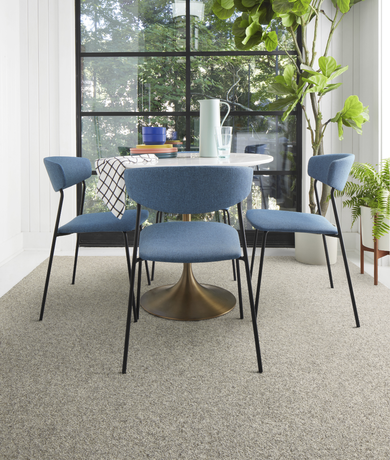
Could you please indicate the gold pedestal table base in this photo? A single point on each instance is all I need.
(188, 300)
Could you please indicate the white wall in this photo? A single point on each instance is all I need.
(384, 72)
(356, 43)
(37, 117)
(11, 241)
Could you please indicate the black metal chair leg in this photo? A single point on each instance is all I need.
(147, 272)
(76, 254)
(129, 267)
(131, 293)
(127, 255)
(139, 288)
(53, 244)
(226, 220)
(260, 271)
(328, 261)
(249, 283)
(239, 288)
(355, 312)
(343, 252)
(254, 251)
(159, 216)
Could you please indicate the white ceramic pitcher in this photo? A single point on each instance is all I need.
(210, 119)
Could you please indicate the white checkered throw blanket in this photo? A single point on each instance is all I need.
(111, 186)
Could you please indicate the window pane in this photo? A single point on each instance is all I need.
(241, 80)
(110, 136)
(136, 25)
(158, 25)
(133, 84)
(263, 135)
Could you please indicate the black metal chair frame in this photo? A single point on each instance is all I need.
(339, 235)
(54, 240)
(137, 260)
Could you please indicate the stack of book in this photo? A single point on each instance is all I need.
(166, 150)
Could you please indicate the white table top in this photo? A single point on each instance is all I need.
(193, 159)
(111, 185)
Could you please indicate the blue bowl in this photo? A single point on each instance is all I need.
(154, 135)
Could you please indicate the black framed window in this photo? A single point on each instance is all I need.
(148, 63)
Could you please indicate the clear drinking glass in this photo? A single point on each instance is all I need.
(223, 139)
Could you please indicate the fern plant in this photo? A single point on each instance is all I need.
(372, 189)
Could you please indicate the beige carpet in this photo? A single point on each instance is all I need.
(192, 391)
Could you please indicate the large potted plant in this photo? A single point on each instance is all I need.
(309, 78)
(368, 196)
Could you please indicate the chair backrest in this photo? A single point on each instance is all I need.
(332, 169)
(258, 148)
(188, 189)
(67, 171)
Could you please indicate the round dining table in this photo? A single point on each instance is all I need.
(188, 300)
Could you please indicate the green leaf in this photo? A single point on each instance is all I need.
(220, 12)
(352, 107)
(254, 41)
(342, 5)
(352, 124)
(239, 26)
(309, 69)
(227, 4)
(288, 19)
(289, 74)
(266, 13)
(281, 104)
(302, 7)
(353, 115)
(239, 6)
(289, 109)
(327, 65)
(280, 89)
(318, 81)
(330, 88)
(280, 79)
(249, 3)
(271, 41)
(251, 30)
(338, 72)
(282, 6)
(340, 129)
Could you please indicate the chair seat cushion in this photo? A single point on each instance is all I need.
(267, 220)
(103, 222)
(189, 242)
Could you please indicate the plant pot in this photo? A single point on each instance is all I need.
(367, 222)
(309, 249)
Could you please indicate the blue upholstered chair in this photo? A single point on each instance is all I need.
(65, 172)
(332, 170)
(226, 220)
(189, 190)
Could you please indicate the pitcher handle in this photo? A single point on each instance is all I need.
(228, 111)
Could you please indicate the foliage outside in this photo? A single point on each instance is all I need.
(372, 189)
(305, 82)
